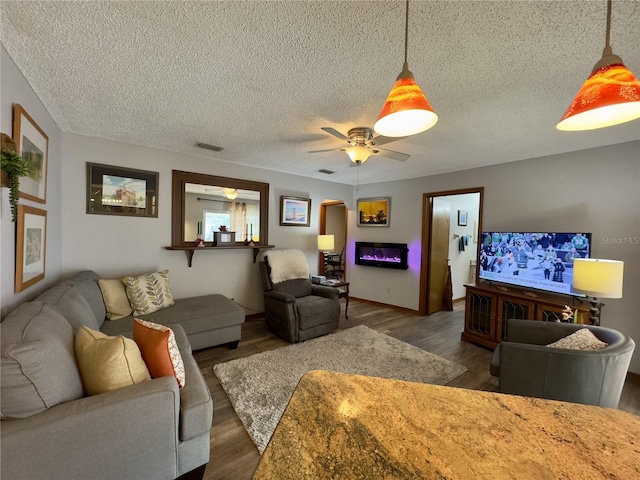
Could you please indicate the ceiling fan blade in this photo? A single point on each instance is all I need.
(383, 152)
(382, 140)
(335, 133)
(326, 150)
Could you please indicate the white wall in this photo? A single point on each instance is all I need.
(114, 246)
(15, 89)
(462, 271)
(594, 190)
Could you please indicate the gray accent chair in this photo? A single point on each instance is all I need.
(298, 310)
(526, 366)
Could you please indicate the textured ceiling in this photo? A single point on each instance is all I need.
(260, 78)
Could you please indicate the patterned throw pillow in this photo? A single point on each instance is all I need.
(149, 293)
(159, 350)
(108, 363)
(583, 339)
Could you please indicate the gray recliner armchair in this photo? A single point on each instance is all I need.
(526, 366)
(296, 309)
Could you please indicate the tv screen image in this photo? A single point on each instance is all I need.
(543, 261)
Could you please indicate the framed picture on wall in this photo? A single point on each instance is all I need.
(462, 217)
(121, 191)
(31, 246)
(32, 144)
(295, 211)
(374, 212)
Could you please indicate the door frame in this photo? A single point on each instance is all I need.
(322, 229)
(427, 220)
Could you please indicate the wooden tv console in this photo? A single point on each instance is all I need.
(488, 306)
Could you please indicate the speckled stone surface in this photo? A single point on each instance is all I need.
(342, 426)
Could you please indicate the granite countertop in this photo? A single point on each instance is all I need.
(342, 426)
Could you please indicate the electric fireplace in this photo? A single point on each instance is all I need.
(383, 255)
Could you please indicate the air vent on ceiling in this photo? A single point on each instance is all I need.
(207, 146)
(328, 172)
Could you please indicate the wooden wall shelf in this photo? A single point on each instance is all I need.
(191, 249)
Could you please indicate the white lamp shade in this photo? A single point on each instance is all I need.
(325, 243)
(598, 278)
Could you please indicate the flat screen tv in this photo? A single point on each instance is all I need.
(543, 261)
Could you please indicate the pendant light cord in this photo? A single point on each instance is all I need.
(608, 23)
(406, 33)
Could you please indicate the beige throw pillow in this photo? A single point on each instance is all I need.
(583, 339)
(149, 293)
(115, 298)
(108, 363)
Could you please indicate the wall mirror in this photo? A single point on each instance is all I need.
(201, 204)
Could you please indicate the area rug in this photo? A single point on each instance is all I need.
(260, 386)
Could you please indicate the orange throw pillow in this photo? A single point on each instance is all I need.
(159, 350)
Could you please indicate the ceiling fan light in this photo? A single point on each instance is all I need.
(230, 193)
(406, 110)
(358, 154)
(610, 96)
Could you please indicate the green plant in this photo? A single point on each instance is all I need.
(16, 167)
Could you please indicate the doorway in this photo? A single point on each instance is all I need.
(451, 219)
(333, 221)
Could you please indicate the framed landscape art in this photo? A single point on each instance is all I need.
(374, 212)
(32, 144)
(295, 211)
(121, 191)
(31, 246)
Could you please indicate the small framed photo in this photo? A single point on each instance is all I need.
(295, 211)
(374, 212)
(32, 144)
(31, 246)
(121, 191)
(462, 218)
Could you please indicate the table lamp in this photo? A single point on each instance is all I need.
(597, 278)
(325, 243)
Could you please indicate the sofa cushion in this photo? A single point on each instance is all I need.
(582, 339)
(86, 283)
(38, 366)
(108, 363)
(196, 314)
(71, 304)
(159, 350)
(149, 293)
(114, 294)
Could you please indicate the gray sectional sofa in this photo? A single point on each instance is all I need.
(151, 430)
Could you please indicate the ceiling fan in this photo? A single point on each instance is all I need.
(363, 144)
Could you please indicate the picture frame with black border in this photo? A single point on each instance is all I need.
(374, 212)
(121, 191)
(462, 218)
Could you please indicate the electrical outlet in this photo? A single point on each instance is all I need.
(389, 290)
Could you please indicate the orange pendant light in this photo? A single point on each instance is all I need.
(406, 110)
(610, 96)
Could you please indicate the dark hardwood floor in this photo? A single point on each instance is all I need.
(233, 454)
